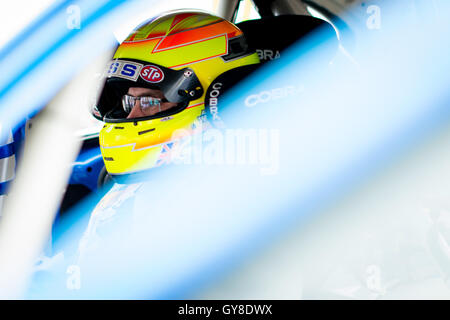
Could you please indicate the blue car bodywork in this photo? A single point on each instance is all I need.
(87, 170)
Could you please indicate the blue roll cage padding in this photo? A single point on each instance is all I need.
(39, 55)
(10, 149)
(4, 187)
(87, 167)
(7, 150)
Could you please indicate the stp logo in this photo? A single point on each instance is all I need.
(152, 74)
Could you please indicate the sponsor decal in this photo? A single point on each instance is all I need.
(151, 73)
(165, 157)
(166, 119)
(213, 102)
(124, 69)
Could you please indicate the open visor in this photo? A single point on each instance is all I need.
(178, 86)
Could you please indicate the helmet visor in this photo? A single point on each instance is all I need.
(177, 86)
(145, 102)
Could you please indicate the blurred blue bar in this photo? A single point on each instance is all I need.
(44, 57)
(195, 224)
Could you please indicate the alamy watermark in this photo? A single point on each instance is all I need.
(73, 281)
(373, 22)
(73, 20)
(253, 147)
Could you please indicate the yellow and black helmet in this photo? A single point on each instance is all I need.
(179, 53)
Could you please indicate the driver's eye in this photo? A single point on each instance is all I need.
(149, 101)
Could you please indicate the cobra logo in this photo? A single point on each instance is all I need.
(152, 74)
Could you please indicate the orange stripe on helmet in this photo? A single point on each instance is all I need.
(196, 35)
(180, 17)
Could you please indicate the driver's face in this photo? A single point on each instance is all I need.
(137, 111)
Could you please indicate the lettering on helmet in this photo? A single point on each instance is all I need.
(213, 103)
(151, 73)
(166, 119)
(124, 69)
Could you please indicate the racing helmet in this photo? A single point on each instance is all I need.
(179, 53)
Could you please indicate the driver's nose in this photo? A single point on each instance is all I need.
(136, 112)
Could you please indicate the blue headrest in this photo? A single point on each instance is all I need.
(270, 36)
